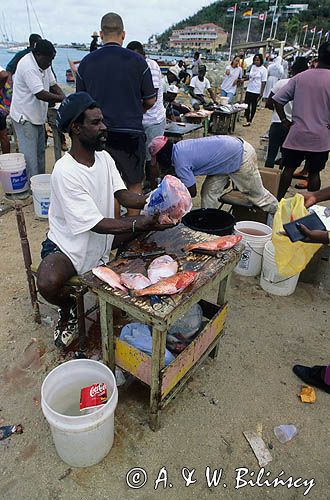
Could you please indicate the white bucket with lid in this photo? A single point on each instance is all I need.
(13, 175)
(251, 260)
(270, 280)
(80, 440)
(40, 187)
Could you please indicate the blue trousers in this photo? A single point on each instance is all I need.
(31, 142)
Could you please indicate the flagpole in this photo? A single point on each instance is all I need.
(304, 41)
(232, 33)
(313, 38)
(274, 13)
(321, 34)
(248, 33)
(263, 28)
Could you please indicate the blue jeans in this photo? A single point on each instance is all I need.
(231, 95)
(31, 141)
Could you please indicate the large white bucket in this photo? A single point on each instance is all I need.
(251, 260)
(80, 440)
(40, 187)
(270, 280)
(13, 174)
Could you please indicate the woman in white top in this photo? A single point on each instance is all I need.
(275, 73)
(233, 74)
(255, 87)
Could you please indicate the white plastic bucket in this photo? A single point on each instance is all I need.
(80, 440)
(251, 260)
(13, 174)
(270, 280)
(40, 187)
(224, 100)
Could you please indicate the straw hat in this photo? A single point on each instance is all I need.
(94, 34)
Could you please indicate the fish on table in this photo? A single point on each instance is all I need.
(220, 243)
(162, 267)
(169, 286)
(108, 276)
(134, 281)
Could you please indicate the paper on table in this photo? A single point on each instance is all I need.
(259, 448)
(323, 213)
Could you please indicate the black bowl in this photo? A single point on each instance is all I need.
(210, 220)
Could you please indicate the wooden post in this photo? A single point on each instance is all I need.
(222, 299)
(108, 346)
(158, 362)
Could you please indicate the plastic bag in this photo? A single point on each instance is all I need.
(139, 336)
(184, 329)
(291, 258)
(171, 200)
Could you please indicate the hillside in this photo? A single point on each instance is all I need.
(318, 14)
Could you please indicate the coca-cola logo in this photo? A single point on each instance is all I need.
(97, 389)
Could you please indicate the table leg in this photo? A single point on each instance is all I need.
(108, 346)
(222, 299)
(157, 363)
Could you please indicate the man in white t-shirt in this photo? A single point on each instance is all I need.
(34, 88)
(278, 132)
(82, 228)
(197, 87)
(154, 119)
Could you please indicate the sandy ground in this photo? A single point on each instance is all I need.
(251, 383)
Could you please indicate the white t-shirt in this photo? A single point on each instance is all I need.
(157, 113)
(258, 74)
(287, 108)
(227, 84)
(29, 80)
(199, 86)
(80, 198)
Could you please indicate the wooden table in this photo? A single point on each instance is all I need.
(202, 117)
(178, 131)
(224, 123)
(165, 382)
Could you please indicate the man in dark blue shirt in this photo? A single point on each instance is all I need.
(120, 81)
(12, 65)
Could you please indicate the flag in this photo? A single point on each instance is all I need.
(313, 29)
(231, 9)
(247, 13)
(262, 17)
(305, 27)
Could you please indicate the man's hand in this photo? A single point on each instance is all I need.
(314, 236)
(150, 223)
(286, 123)
(310, 199)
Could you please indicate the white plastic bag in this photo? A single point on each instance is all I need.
(171, 201)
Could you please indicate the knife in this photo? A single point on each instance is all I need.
(134, 255)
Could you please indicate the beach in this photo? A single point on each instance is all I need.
(249, 387)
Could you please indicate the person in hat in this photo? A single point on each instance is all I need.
(220, 158)
(94, 45)
(82, 227)
(120, 81)
(35, 87)
(174, 109)
(197, 87)
(171, 77)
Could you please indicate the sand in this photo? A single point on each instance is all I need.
(249, 387)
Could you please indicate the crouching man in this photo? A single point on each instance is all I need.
(82, 229)
(219, 158)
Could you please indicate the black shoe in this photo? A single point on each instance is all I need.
(312, 376)
(66, 329)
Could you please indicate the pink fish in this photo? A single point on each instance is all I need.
(169, 286)
(108, 276)
(221, 243)
(134, 281)
(162, 267)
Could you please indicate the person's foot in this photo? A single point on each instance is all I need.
(66, 329)
(301, 185)
(312, 376)
(247, 124)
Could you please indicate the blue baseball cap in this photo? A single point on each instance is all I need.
(72, 107)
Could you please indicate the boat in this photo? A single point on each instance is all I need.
(70, 74)
(15, 49)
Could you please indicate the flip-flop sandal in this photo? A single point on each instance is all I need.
(300, 177)
(246, 124)
(302, 185)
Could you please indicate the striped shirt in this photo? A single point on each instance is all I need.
(157, 113)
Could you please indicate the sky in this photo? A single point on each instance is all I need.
(63, 21)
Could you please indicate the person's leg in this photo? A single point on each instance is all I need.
(223, 93)
(291, 160)
(41, 149)
(254, 103)
(248, 180)
(231, 96)
(152, 131)
(315, 162)
(248, 109)
(212, 189)
(27, 135)
(54, 271)
(4, 138)
(277, 134)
